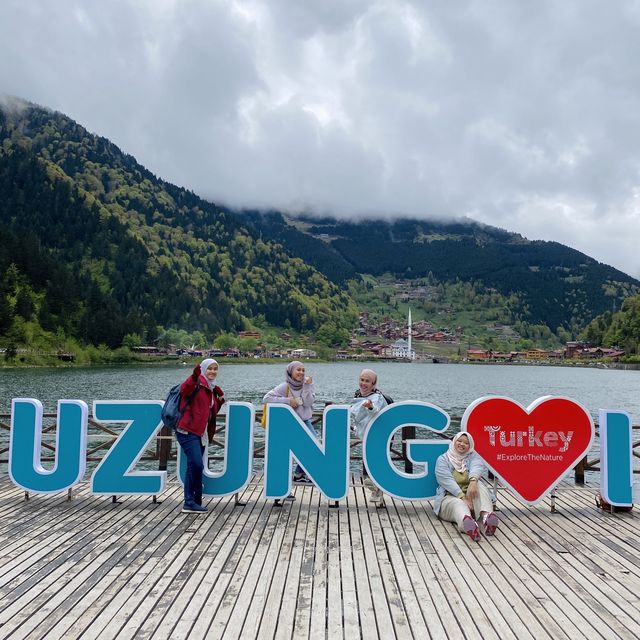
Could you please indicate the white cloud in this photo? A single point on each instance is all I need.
(523, 115)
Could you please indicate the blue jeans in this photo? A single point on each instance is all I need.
(299, 471)
(193, 450)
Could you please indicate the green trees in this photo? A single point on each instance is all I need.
(621, 329)
(101, 248)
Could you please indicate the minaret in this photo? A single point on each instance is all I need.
(409, 335)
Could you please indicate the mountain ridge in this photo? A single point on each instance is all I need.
(142, 254)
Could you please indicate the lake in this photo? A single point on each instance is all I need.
(450, 386)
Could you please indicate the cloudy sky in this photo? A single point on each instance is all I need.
(524, 115)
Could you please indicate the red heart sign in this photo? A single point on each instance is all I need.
(529, 449)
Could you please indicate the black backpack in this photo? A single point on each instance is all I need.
(171, 412)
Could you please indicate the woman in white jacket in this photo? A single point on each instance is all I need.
(368, 403)
(460, 496)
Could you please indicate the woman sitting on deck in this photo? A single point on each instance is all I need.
(201, 401)
(299, 392)
(460, 496)
(368, 403)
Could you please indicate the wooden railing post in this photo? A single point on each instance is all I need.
(579, 471)
(164, 448)
(408, 433)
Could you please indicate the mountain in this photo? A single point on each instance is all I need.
(555, 285)
(95, 246)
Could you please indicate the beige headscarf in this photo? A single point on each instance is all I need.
(459, 461)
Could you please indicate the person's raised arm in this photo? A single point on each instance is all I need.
(190, 383)
(308, 392)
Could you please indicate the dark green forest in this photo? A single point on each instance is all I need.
(97, 247)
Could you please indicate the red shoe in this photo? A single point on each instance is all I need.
(490, 523)
(470, 527)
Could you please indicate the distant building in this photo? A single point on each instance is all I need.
(536, 354)
(400, 349)
(249, 334)
(146, 349)
(479, 354)
(303, 353)
(572, 349)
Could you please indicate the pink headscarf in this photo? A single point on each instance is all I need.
(294, 384)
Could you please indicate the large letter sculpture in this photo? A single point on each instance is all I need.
(115, 475)
(616, 468)
(377, 456)
(238, 454)
(325, 461)
(530, 449)
(25, 448)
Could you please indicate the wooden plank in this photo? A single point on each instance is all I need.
(273, 600)
(366, 613)
(384, 614)
(168, 603)
(437, 610)
(78, 574)
(302, 628)
(417, 601)
(290, 602)
(94, 569)
(50, 573)
(568, 578)
(241, 606)
(349, 588)
(209, 579)
(334, 595)
(320, 569)
(528, 562)
(459, 580)
(134, 586)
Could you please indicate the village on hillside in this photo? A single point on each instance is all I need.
(392, 340)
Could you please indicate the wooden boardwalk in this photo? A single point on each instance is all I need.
(91, 568)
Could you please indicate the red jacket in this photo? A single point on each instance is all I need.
(201, 414)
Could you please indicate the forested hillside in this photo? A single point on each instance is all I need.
(95, 246)
(621, 328)
(555, 285)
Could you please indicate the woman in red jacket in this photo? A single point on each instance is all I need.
(201, 401)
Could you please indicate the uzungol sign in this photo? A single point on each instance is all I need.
(530, 449)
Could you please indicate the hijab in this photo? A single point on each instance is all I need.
(294, 384)
(204, 365)
(374, 389)
(459, 460)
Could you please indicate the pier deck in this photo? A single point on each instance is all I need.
(91, 568)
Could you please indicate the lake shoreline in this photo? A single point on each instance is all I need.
(161, 361)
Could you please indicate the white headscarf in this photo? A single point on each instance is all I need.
(204, 365)
(459, 460)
